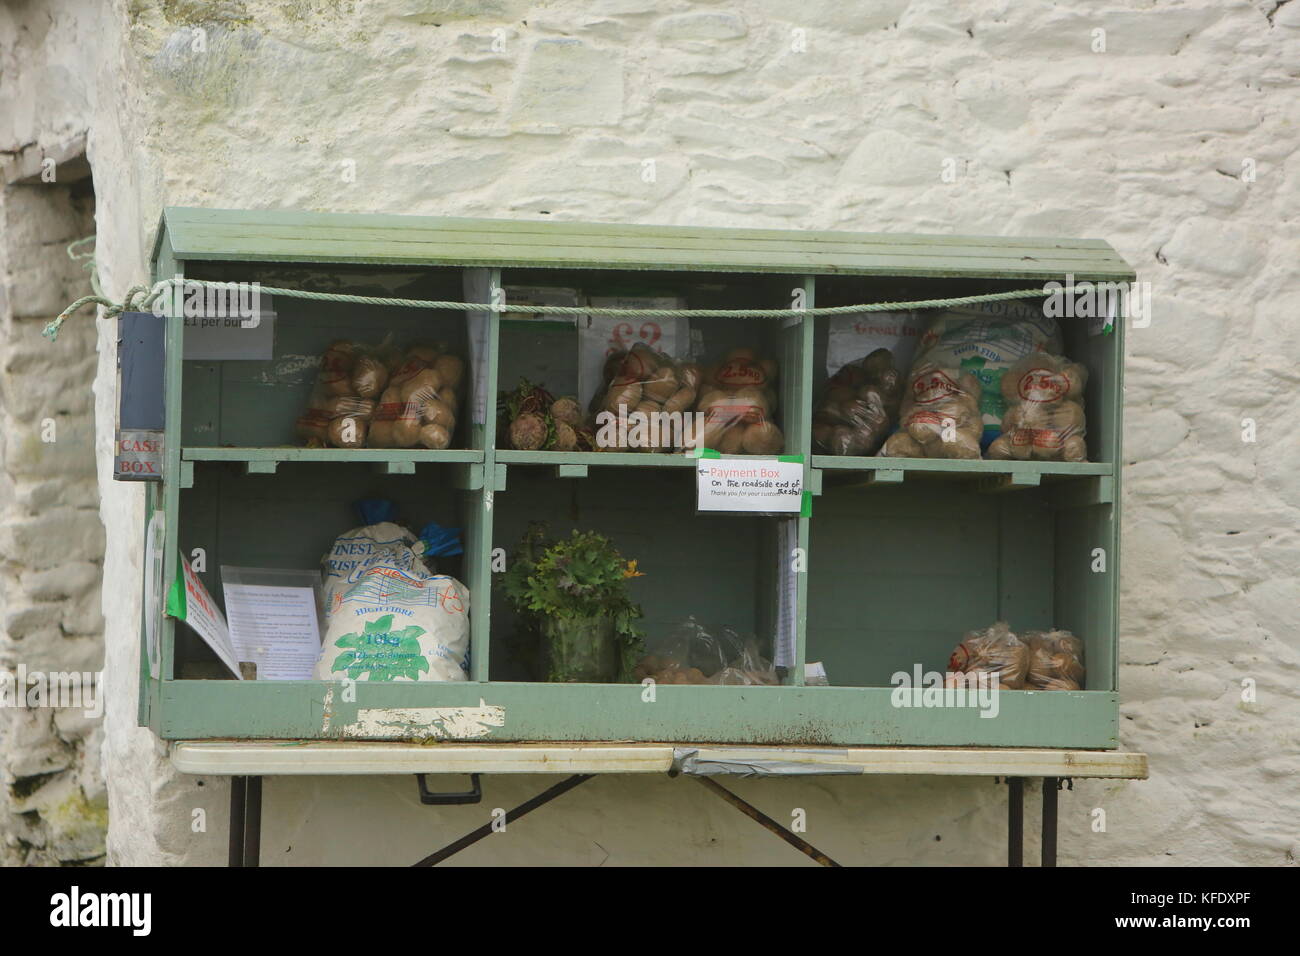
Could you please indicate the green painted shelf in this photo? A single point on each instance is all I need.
(335, 455)
(875, 582)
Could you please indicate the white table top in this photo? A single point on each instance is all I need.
(320, 757)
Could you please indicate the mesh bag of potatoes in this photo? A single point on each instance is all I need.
(1055, 660)
(993, 650)
(1044, 418)
(858, 406)
(939, 416)
(645, 401)
(738, 400)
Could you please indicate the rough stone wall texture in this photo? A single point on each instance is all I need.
(53, 804)
(1177, 144)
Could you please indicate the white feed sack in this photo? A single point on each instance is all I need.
(387, 617)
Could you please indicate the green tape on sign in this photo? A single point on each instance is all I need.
(791, 459)
(176, 606)
(709, 453)
(805, 511)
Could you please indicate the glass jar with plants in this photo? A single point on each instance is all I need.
(574, 591)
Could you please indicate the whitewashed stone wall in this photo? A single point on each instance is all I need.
(53, 806)
(1177, 144)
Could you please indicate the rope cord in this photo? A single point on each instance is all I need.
(148, 296)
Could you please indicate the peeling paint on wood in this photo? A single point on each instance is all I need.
(454, 723)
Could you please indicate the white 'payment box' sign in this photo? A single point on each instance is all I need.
(753, 485)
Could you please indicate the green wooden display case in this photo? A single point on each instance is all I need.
(902, 555)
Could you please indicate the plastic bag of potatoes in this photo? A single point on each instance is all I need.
(1044, 417)
(644, 401)
(993, 650)
(738, 400)
(1055, 660)
(858, 406)
(338, 414)
(690, 654)
(418, 406)
(940, 415)
(383, 397)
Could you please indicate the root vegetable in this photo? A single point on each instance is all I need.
(450, 369)
(528, 432)
(763, 438)
(435, 412)
(903, 445)
(566, 439)
(421, 386)
(347, 432)
(434, 436)
(732, 441)
(405, 431)
(627, 395)
(661, 385)
(1044, 419)
(566, 410)
(369, 376)
(681, 400)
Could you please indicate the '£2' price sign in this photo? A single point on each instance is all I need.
(623, 335)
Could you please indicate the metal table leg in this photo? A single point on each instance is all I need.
(253, 823)
(546, 796)
(237, 801)
(1050, 785)
(1015, 821)
(245, 821)
(758, 816)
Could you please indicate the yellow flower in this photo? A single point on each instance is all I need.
(632, 572)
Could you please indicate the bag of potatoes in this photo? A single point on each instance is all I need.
(993, 650)
(419, 403)
(940, 415)
(685, 654)
(690, 654)
(738, 399)
(858, 406)
(645, 402)
(1044, 418)
(387, 616)
(338, 414)
(985, 339)
(1055, 660)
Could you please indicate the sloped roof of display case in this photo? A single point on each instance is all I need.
(293, 236)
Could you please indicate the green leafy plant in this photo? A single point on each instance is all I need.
(387, 654)
(574, 579)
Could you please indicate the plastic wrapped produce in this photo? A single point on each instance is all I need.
(1044, 418)
(738, 399)
(691, 654)
(336, 415)
(1055, 660)
(645, 401)
(984, 340)
(939, 417)
(382, 397)
(859, 406)
(993, 650)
